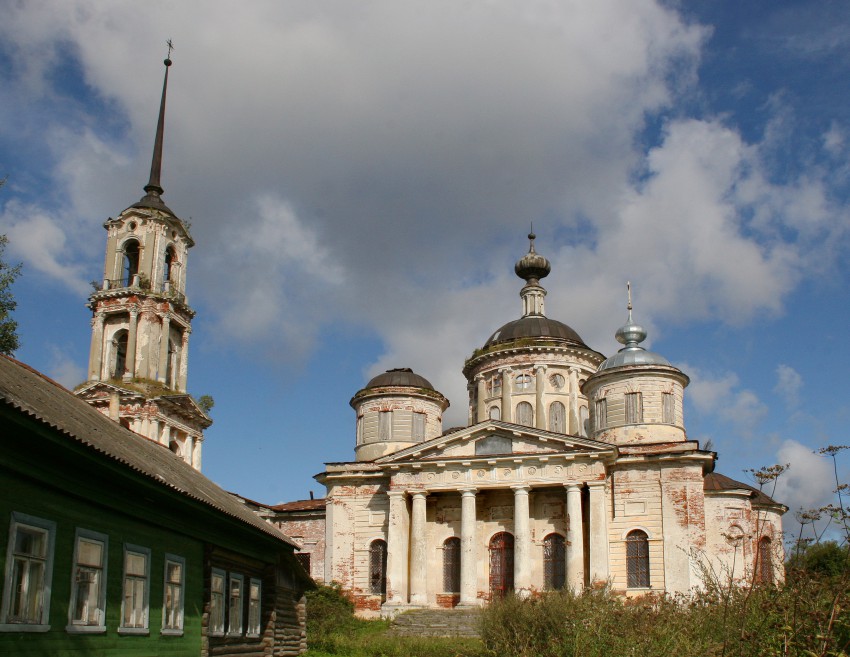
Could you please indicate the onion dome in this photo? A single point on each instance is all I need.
(532, 266)
(630, 335)
(534, 327)
(402, 376)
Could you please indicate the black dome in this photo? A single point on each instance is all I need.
(403, 376)
(535, 327)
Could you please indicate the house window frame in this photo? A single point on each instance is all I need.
(218, 630)
(557, 424)
(418, 426)
(523, 382)
(525, 417)
(48, 528)
(173, 629)
(451, 565)
(253, 626)
(144, 628)
(75, 625)
(601, 413)
(385, 425)
(235, 630)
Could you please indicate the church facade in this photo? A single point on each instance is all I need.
(573, 471)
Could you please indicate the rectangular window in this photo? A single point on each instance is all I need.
(87, 612)
(172, 603)
(385, 425)
(135, 600)
(668, 415)
(419, 426)
(304, 559)
(601, 413)
(234, 604)
(255, 590)
(634, 408)
(29, 571)
(216, 624)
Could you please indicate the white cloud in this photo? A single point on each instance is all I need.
(809, 482)
(64, 369)
(722, 396)
(788, 384)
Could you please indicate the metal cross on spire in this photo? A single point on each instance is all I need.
(629, 289)
(170, 48)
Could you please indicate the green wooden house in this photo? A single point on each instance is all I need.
(110, 544)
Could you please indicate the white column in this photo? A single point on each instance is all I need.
(131, 344)
(418, 567)
(522, 541)
(162, 367)
(183, 368)
(574, 422)
(468, 560)
(598, 533)
(575, 539)
(506, 394)
(196, 456)
(189, 450)
(481, 393)
(96, 353)
(397, 548)
(540, 385)
(153, 430)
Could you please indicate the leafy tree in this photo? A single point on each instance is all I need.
(827, 559)
(8, 327)
(206, 402)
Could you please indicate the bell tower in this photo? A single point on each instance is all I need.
(141, 321)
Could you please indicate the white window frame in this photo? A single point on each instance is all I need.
(601, 413)
(213, 631)
(418, 426)
(175, 629)
(77, 626)
(233, 630)
(385, 425)
(253, 630)
(144, 627)
(26, 521)
(668, 408)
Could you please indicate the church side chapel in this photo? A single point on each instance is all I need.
(574, 471)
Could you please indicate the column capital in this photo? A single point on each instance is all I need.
(504, 369)
(396, 493)
(134, 311)
(521, 488)
(468, 492)
(418, 493)
(538, 368)
(478, 377)
(572, 486)
(574, 369)
(596, 484)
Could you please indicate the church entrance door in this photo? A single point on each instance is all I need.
(501, 565)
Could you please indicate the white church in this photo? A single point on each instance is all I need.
(574, 471)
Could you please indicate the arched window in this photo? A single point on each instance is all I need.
(501, 565)
(131, 261)
(557, 417)
(378, 567)
(764, 561)
(119, 354)
(170, 259)
(524, 414)
(637, 559)
(523, 382)
(554, 562)
(451, 565)
(495, 413)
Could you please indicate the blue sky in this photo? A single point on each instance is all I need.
(360, 178)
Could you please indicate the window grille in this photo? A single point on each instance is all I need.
(554, 562)
(304, 560)
(501, 565)
(451, 565)
(637, 559)
(764, 561)
(378, 567)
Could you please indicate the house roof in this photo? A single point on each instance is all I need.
(718, 483)
(47, 402)
(300, 505)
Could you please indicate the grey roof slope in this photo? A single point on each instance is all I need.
(41, 398)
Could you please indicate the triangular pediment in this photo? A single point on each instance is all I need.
(493, 438)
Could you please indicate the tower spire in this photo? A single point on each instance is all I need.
(153, 190)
